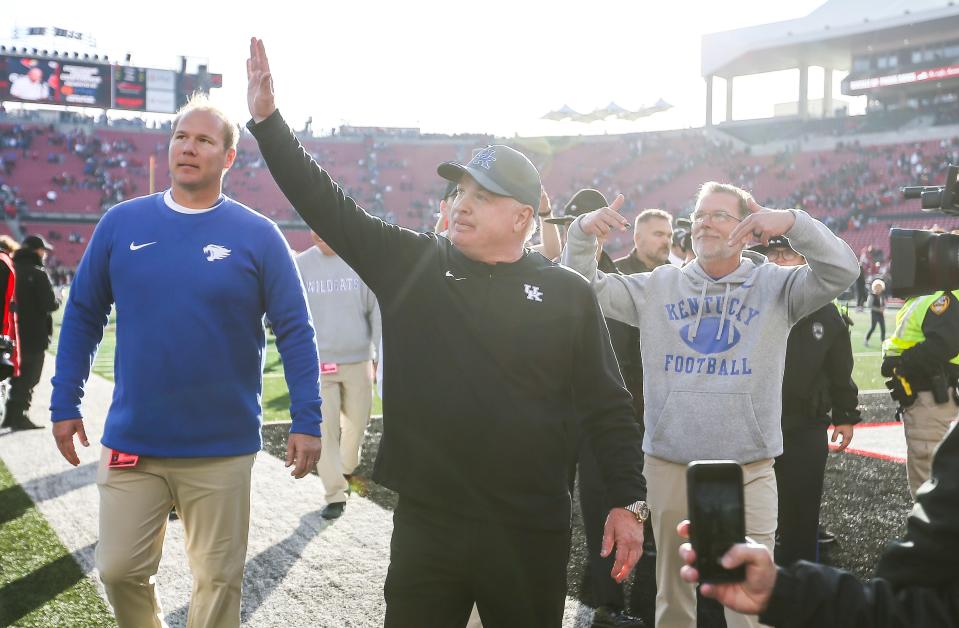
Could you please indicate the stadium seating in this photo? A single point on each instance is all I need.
(853, 189)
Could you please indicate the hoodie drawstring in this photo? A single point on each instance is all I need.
(699, 314)
(722, 319)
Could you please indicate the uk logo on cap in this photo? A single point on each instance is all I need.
(484, 158)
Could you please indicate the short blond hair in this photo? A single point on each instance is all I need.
(200, 101)
(8, 244)
(715, 187)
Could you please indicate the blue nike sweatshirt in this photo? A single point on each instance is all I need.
(190, 291)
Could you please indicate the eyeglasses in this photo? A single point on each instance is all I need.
(787, 255)
(716, 218)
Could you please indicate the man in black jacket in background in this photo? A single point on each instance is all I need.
(498, 360)
(607, 595)
(36, 302)
(817, 380)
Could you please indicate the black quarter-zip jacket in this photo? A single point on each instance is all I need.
(817, 379)
(491, 372)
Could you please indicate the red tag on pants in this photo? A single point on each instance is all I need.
(120, 460)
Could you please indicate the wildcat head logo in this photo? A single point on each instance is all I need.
(214, 252)
(484, 158)
(818, 331)
(705, 341)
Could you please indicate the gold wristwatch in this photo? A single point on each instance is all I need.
(640, 510)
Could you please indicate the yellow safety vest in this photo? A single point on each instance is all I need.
(909, 325)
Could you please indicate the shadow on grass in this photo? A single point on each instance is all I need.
(23, 596)
(15, 500)
(280, 403)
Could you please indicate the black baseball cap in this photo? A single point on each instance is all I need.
(501, 170)
(777, 242)
(36, 242)
(583, 202)
(449, 191)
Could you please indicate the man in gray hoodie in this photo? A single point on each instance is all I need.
(713, 343)
(347, 317)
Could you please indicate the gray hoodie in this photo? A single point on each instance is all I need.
(344, 309)
(714, 349)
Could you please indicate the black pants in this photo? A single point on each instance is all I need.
(877, 319)
(603, 590)
(799, 479)
(21, 388)
(441, 563)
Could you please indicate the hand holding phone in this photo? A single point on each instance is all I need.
(717, 516)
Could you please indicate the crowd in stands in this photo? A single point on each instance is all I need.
(854, 188)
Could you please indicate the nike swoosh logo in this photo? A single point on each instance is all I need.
(137, 247)
(449, 274)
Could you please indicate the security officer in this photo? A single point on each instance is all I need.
(817, 380)
(606, 594)
(922, 361)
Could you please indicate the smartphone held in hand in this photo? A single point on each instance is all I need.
(717, 516)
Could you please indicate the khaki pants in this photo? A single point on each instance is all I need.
(212, 498)
(926, 424)
(666, 482)
(347, 400)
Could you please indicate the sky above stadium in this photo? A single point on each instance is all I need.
(492, 66)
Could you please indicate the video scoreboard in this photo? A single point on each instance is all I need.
(62, 81)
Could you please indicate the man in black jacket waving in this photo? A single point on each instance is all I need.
(498, 359)
(36, 302)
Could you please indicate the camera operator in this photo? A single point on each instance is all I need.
(916, 582)
(920, 359)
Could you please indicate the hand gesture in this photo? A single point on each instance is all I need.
(623, 532)
(304, 451)
(63, 432)
(259, 90)
(846, 431)
(763, 223)
(750, 597)
(545, 209)
(604, 220)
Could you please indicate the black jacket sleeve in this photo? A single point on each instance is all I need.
(817, 596)
(917, 581)
(378, 251)
(609, 422)
(842, 389)
(46, 297)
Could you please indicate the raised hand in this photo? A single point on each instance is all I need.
(259, 90)
(761, 224)
(601, 221)
(545, 208)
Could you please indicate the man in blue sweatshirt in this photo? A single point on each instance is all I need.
(191, 274)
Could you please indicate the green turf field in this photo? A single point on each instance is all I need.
(40, 583)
